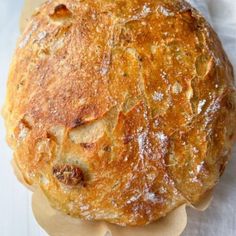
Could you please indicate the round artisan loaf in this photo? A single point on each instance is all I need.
(120, 110)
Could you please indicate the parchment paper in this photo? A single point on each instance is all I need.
(56, 223)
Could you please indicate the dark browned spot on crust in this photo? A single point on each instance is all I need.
(87, 145)
(70, 175)
(60, 12)
(127, 139)
(26, 122)
(51, 137)
(76, 123)
(107, 149)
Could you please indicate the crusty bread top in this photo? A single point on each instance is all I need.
(121, 110)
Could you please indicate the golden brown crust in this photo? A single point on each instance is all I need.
(133, 98)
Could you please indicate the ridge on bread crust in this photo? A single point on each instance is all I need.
(120, 110)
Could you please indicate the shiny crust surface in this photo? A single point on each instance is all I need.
(120, 110)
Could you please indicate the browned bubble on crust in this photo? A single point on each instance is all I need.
(60, 11)
(69, 175)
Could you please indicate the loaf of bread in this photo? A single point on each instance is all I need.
(120, 110)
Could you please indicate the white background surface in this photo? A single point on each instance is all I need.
(16, 217)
